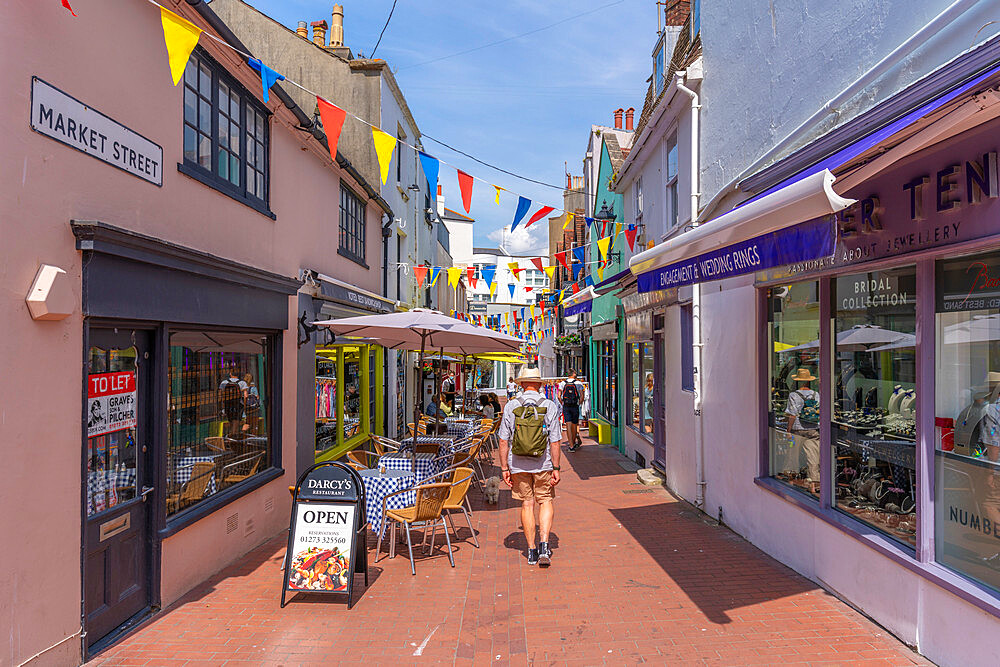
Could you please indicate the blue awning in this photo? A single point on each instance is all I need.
(578, 308)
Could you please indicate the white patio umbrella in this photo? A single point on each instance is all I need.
(980, 329)
(862, 337)
(421, 329)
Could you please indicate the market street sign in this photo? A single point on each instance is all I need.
(71, 122)
(325, 545)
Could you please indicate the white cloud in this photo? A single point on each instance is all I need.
(530, 240)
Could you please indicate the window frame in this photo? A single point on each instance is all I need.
(671, 187)
(248, 104)
(637, 201)
(359, 234)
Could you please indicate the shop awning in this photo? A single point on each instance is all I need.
(791, 225)
(581, 302)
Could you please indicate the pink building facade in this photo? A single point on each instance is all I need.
(154, 243)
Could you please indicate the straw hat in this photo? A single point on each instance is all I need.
(529, 374)
(802, 375)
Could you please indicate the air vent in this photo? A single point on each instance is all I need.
(248, 528)
(232, 523)
(269, 504)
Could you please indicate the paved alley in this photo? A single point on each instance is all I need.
(637, 576)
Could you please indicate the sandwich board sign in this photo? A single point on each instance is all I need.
(326, 542)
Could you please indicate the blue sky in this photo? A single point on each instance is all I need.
(525, 105)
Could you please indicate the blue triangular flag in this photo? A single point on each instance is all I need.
(577, 268)
(511, 287)
(588, 281)
(578, 253)
(430, 165)
(435, 270)
(523, 204)
(589, 221)
(487, 273)
(268, 76)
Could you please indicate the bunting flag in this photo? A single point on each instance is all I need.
(577, 268)
(470, 272)
(539, 214)
(511, 287)
(618, 228)
(497, 197)
(420, 272)
(528, 289)
(180, 36)
(65, 3)
(531, 308)
(589, 222)
(588, 281)
(332, 118)
(561, 257)
(550, 271)
(630, 234)
(600, 272)
(435, 272)
(493, 287)
(514, 268)
(604, 245)
(569, 219)
(454, 275)
(430, 165)
(579, 253)
(523, 204)
(487, 273)
(268, 77)
(465, 185)
(576, 288)
(385, 144)
(537, 261)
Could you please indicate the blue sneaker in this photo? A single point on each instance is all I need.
(544, 554)
(532, 556)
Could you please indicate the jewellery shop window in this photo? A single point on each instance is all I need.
(875, 400)
(967, 417)
(219, 422)
(641, 380)
(793, 371)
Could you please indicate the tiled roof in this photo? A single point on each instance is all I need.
(614, 150)
(685, 52)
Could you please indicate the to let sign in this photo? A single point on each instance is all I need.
(69, 121)
(111, 404)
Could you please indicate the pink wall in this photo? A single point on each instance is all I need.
(112, 57)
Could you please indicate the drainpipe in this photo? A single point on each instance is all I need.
(696, 337)
(912, 43)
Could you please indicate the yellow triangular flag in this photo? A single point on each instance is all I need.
(498, 189)
(550, 271)
(493, 287)
(600, 272)
(562, 294)
(514, 268)
(532, 309)
(603, 245)
(437, 275)
(618, 228)
(569, 219)
(385, 144)
(454, 273)
(180, 36)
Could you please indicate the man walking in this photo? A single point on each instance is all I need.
(530, 462)
(571, 395)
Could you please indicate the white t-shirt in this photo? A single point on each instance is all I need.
(511, 388)
(506, 432)
(797, 401)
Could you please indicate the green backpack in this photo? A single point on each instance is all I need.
(530, 435)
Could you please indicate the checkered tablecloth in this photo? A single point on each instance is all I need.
(460, 428)
(184, 467)
(444, 443)
(101, 482)
(377, 487)
(426, 464)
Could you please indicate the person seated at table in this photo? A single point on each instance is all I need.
(486, 408)
(495, 402)
(437, 407)
(446, 406)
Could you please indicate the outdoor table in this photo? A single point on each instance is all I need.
(184, 467)
(424, 465)
(104, 481)
(460, 428)
(378, 486)
(443, 443)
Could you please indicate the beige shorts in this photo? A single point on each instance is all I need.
(528, 485)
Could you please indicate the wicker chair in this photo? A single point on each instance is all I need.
(426, 510)
(194, 489)
(242, 469)
(363, 458)
(382, 444)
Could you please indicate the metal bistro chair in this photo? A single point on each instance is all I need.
(383, 445)
(426, 509)
(460, 479)
(194, 489)
(362, 457)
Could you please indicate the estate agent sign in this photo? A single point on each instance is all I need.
(69, 121)
(111, 403)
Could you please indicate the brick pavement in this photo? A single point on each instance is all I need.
(636, 576)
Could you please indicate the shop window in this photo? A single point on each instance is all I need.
(687, 349)
(874, 397)
(641, 388)
(111, 440)
(967, 417)
(225, 133)
(352, 225)
(793, 370)
(219, 421)
(346, 396)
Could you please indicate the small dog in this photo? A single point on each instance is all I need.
(491, 490)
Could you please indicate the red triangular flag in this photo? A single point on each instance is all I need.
(333, 122)
(576, 288)
(543, 211)
(420, 272)
(561, 256)
(65, 4)
(465, 185)
(471, 273)
(528, 289)
(630, 234)
(537, 261)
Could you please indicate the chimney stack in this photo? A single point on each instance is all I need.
(319, 33)
(628, 117)
(303, 30)
(618, 118)
(676, 12)
(569, 181)
(337, 26)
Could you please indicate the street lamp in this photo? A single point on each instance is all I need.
(608, 215)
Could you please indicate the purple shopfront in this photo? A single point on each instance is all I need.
(900, 331)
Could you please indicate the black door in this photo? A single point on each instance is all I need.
(659, 404)
(118, 493)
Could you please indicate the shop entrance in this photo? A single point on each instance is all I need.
(117, 478)
(659, 391)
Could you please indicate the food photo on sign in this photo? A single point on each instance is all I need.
(322, 547)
